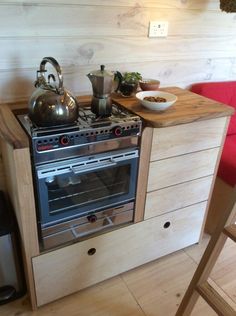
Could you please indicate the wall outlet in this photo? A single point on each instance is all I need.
(158, 29)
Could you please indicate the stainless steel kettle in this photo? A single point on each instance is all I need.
(102, 84)
(51, 105)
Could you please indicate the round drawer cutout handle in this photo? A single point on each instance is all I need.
(91, 251)
(166, 225)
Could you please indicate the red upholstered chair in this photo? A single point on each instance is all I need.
(224, 92)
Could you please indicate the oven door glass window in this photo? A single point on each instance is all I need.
(89, 188)
(71, 194)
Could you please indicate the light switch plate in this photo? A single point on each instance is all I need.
(158, 29)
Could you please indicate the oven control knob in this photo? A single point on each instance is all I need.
(64, 140)
(92, 218)
(117, 131)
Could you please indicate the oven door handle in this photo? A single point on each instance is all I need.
(94, 166)
(79, 235)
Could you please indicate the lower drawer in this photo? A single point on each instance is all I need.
(69, 269)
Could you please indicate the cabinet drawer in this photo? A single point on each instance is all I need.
(166, 172)
(177, 196)
(69, 269)
(187, 138)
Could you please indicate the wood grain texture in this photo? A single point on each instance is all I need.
(146, 143)
(69, 269)
(10, 129)
(189, 107)
(182, 139)
(155, 288)
(82, 50)
(230, 231)
(215, 300)
(200, 45)
(190, 4)
(18, 82)
(107, 20)
(198, 283)
(220, 198)
(177, 196)
(19, 187)
(167, 172)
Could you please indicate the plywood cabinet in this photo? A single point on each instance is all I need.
(183, 164)
(177, 193)
(178, 164)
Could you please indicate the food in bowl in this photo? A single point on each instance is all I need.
(158, 103)
(149, 84)
(155, 99)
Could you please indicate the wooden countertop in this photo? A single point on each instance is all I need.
(188, 108)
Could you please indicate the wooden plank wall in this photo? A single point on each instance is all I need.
(82, 34)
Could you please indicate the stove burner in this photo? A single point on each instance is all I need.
(56, 142)
(35, 127)
(117, 113)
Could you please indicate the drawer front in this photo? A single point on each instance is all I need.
(167, 172)
(69, 269)
(187, 138)
(177, 196)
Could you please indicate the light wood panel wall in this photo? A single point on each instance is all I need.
(82, 34)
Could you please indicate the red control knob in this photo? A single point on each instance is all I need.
(118, 131)
(64, 140)
(92, 218)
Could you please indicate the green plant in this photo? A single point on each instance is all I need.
(132, 77)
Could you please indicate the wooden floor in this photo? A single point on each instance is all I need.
(155, 289)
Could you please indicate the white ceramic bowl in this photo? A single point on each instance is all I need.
(156, 106)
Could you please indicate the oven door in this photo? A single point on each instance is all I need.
(78, 187)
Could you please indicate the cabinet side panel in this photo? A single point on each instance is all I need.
(19, 184)
(146, 142)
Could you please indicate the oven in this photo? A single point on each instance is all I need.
(78, 197)
(82, 186)
(85, 175)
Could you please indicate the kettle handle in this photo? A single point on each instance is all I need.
(57, 67)
(118, 76)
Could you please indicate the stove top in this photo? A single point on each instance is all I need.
(87, 121)
(85, 135)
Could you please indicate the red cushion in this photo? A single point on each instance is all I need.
(224, 92)
(227, 166)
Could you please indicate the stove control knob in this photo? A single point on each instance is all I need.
(92, 218)
(64, 140)
(117, 131)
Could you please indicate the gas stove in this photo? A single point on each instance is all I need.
(48, 143)
(84, 173)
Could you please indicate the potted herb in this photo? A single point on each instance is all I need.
(128, 82)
